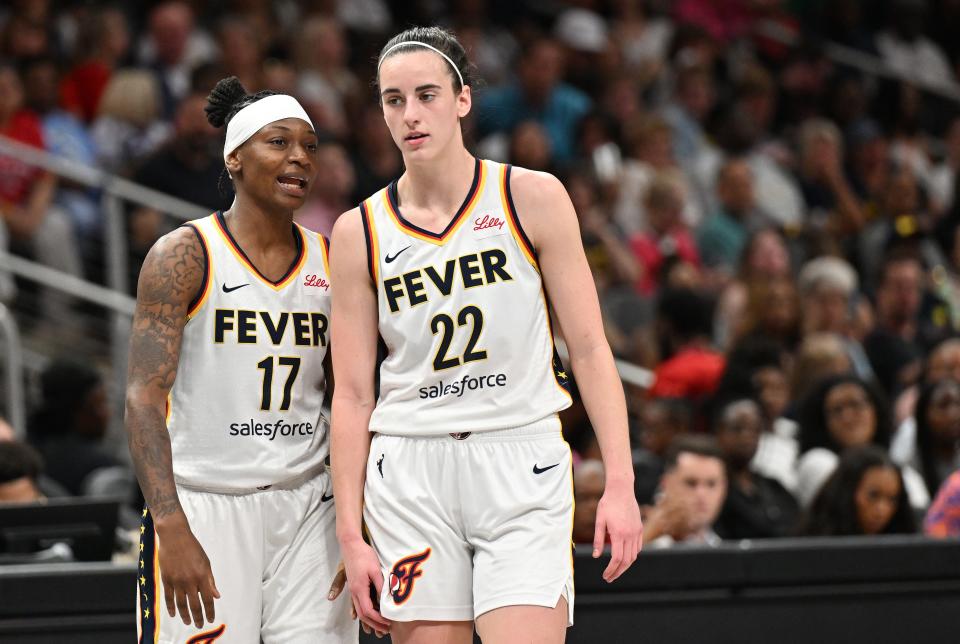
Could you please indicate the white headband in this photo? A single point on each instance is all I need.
(250, 119)
(420, 44)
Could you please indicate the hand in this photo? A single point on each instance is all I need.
(619, 516)
(187, 577)
(363, 571)
(670, 516)
(336, 587)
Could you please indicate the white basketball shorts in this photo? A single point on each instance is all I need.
(466, 525)
(273, 553)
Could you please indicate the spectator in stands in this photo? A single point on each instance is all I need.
(103, 42)
(756, 507)
(693, 100)
(943, 517)
(748, 132)
(943, 176)
(823, 180)
(938, 431)
(664, 233)
(128, 126)
(757, 368)
(539, 93)
(691, 368)
(20, 468)
(764, 257)
(903, 321)
(189, 165)
(648, 150)
(942, 363)
(326, 85)
(35, 227)
(241, 50)
(908, 52)
(66, 136)
(692, 492)
(529, 147)
(661, 421)
(330, 195)
(588, 482)
(820, 356)
(866, 495)
(376, 160)
(773, 311)
(829, 299)
(173, 47)
(642, 37)
(70, 425)
(844, 412)
(723, 235)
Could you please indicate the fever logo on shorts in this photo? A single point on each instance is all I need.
(404, 574)
(208, 636)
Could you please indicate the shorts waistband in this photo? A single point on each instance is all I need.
(543, 427)
(288, 484)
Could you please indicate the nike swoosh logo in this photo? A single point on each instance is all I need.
(324, 498)
(389, 258)
(228, 289)
(541, 470)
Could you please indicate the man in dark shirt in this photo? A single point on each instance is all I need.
(756, 507)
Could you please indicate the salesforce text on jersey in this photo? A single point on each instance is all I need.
(467, 383)
(269, 430)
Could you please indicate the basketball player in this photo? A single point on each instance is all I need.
(465, 486)
(226, 384)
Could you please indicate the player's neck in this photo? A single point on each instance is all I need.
(255, 226)
(440, 183)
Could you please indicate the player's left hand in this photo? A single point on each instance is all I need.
(619, 516)
(337, 586)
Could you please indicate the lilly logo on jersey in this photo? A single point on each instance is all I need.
(404, 573)
(317, 282)
(482, 223)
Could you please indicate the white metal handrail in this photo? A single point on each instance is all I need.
(95, 178)
(74, 286)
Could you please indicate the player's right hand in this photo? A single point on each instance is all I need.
(188, 584)
(363, 571)
(336, 587)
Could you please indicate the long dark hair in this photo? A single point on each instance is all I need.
(834, 510)
(227, 98)
(925, 441)
(814, 431)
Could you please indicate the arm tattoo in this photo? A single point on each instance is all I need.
(171, 275)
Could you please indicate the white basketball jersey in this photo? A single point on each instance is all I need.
(463, 315)
(245, 409)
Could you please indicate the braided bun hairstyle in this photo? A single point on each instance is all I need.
(227, 98)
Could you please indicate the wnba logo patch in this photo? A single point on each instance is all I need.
(404, 574)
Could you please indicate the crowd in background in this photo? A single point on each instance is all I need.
(773, 234)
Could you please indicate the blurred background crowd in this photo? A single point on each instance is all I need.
(766, 193)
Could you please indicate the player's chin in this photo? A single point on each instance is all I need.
(285, 200)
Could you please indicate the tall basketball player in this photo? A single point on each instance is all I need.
(465, 486)
(224, 399)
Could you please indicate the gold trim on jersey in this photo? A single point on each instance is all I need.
(325, 253)
(291, 275)
(208, 287)
(455, 225)
(373, 245)
(513, 220)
